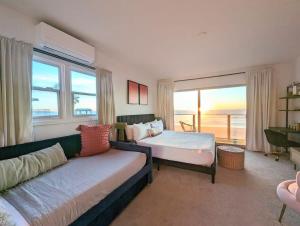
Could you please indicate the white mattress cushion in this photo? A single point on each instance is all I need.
(194, 148)
(60, 196)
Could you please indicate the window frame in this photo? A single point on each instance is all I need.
(65, 105)
(89, 73)
(57, 91)
(198, 123)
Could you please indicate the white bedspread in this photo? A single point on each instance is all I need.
(60, 196)
(194, 148)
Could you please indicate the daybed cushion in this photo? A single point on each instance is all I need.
(9, 216)
(60, 196)
(17, 170)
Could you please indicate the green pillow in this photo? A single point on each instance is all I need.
(120, 126)
(17, 170)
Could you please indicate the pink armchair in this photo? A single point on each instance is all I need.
(289, 193)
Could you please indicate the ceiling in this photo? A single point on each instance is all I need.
(179, 38)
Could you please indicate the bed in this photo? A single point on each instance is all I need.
(85, 191)
(195, 151)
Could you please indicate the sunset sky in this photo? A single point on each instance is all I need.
(233, 98)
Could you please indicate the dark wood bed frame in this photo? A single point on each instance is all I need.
(211, 170)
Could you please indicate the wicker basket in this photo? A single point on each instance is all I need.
(231, 157)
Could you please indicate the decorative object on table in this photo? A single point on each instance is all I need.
(289, 193)
(143, 94)
(132, 92)
(294, 85)
(231, 157)
(298, 126)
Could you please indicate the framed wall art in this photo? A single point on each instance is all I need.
(132, 92)
(143, 91)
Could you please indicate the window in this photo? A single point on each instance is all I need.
(221, 111)
(83, 94)
(186, 109)
(45, 90)
(61, 91)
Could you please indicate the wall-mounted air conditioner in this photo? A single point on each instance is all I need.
(55, 41)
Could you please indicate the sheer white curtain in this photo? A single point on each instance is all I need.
(105, 94)
(15, 92)
(258, 109)
(165, 102)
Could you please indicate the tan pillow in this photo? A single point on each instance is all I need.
(154, 132)
(17, 170)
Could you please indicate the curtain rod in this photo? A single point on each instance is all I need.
(214, 76)
(63, 58)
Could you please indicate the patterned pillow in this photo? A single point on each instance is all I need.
(158, 124)
(154, 132)
(94, 139)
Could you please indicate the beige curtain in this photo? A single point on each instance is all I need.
(258, 109)
(15, 92)
(165, 102)
(105, 93)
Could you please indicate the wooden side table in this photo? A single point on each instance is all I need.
(231, 157)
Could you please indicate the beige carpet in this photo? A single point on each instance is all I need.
(239, 198)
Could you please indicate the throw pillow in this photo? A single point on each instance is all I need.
(140, 131)
(94, 139)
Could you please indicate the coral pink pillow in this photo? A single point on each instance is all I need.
(94, 139)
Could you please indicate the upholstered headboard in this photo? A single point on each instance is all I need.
(132, 119)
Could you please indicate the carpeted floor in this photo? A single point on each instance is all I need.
(180, 197)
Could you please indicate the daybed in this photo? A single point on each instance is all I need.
(84, 191)
(195, 151)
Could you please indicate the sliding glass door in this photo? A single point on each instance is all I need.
(186, 110)
(221, 111)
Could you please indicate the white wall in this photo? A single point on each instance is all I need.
(297, 69)
(16, 25)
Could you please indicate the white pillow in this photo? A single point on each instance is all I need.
(153, 121)
(140, 131)
(158, 125)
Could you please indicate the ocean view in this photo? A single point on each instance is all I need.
(215, 121)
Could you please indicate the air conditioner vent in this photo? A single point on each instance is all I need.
(57, 42)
